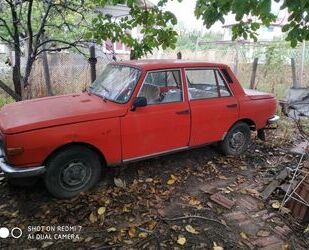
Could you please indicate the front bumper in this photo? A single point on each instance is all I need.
(20, 172)
(274, 120)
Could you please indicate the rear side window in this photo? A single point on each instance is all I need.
(202, 84)
(206, 84)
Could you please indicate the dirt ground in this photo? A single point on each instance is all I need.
(165, 203)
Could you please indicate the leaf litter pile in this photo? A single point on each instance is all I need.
(185, 200)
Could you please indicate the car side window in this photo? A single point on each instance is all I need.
(224, 91)
(202, 84)
(162, 87)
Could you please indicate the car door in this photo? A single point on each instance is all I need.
(164, 124)
(214, 109)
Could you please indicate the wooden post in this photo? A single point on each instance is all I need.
(295, 83)
(93, 61)
(46, 70)
(253, 74)
(179, 55)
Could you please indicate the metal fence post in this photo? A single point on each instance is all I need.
(295, 82)
(93, 61)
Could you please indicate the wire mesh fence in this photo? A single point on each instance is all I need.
(70, 72)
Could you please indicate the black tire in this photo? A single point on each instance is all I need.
(237, 139)
(23, 182)
(71, 171)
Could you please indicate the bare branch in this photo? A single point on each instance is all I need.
(11, 92)
(41, 29)
(6, 40)
(6, 26)
(29, 26)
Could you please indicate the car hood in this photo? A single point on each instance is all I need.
(57, 110)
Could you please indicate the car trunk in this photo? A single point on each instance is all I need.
(257, 95)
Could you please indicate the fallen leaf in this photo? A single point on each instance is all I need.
(125, 209)
(142, 235)
(243, 167)
(181, 240)
(263, 233)
(47, 244)
(276, 205)
(244, 236)
(216, 247)
(176, 228)
(93, 218)
(173, 177)
(132, 232)
(170, 181)
(148, 180)
(88, 239)
(111, 229)
(261, 205)
(194, 201)
(252, 191)
(101, 210)
(152, 225)
(120, 183)
(191, 230)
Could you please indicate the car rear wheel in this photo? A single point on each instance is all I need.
(237, 139)
(71, 171)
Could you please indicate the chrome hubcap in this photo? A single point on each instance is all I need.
(74, 174)
(238, 140)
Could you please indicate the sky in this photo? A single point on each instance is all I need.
(184, 12)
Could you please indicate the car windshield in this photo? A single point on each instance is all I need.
(116, 83)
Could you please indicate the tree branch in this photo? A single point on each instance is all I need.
(6, 40)
(41, 29)
(11, 92)
(6, 26)
(29, 26)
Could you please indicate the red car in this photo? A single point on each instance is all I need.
(134, 110)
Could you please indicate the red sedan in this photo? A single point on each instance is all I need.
(134, 110)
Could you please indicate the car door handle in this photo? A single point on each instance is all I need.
(234, 105)
(183, 112)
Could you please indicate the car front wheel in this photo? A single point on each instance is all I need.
(71, 171)
(237, 139)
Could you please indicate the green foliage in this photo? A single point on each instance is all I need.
(188, 40)
(79, 20)
(154, 24)
(297, 29)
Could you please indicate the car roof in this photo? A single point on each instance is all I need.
(154, 64)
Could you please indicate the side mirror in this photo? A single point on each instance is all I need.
(139, 102)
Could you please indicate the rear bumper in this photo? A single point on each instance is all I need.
(14, 172)
(275, 119)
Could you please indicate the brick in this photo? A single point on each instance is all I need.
(249, 203)
(267, 241)
(222, 200)
(236, 216)
(282, 231)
